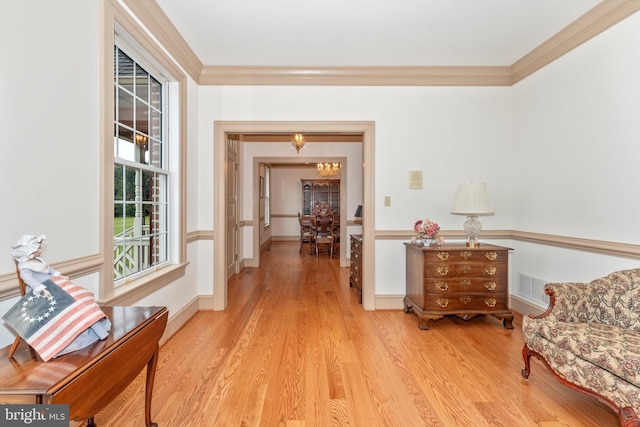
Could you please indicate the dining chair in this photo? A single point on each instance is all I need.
(323, 232)
(305, 233)
(23, 290)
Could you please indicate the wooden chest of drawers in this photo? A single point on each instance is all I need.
(457, 280)
(355, 276)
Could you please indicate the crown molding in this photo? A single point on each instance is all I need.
(603, 16)
(157, 22)
(356, 76)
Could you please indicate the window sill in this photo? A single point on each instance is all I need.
(132, 292)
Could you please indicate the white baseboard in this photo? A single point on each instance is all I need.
(524, 307)
(179, 319)
(285, 238)
(205, 302)
(520, 305)
(389, 302)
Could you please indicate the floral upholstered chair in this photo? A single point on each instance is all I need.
(589, 338)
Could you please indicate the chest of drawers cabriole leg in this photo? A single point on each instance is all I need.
(457, 280)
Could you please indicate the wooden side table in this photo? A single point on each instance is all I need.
(457, 280)
(90, 378)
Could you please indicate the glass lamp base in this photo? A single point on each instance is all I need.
(472, 226)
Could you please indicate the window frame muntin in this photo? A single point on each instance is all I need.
(116, 18)
(138, 59)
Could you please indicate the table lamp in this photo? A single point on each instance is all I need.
(472, 200)
(358, 214)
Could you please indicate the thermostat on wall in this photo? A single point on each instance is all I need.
(415, 179)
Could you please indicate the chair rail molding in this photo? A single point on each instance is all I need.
(616, 249)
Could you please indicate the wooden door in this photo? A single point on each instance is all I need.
(232, 209)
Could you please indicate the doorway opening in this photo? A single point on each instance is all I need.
(302, 162)
(224, 128)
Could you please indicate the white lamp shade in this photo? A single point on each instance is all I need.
(472, 199)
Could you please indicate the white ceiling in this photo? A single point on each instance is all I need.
(368, 32)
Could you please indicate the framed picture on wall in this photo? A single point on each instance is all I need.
(262, 187)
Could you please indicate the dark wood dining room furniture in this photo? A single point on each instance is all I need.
(323, 233)
(306, 230)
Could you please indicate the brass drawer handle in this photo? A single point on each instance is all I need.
(491, 256)
(490, 286)
(443, 302)
(466, 255)
(491, 302)
(465, 283)
(444, 270)
(490, 270)
(465, 268)
(442, 286)
(443, 256)
(465, 299)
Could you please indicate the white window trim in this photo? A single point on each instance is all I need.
(117, 19)
(123, 43)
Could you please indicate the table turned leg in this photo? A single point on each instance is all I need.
(151, 374)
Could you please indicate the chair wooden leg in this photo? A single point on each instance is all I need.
(14, 346)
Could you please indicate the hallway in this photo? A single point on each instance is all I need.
(294, 348)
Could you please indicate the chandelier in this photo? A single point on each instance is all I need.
(328, 170)
(297, 141)
(141, 139)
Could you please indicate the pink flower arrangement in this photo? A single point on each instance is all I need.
(322, 208)
(426, 229)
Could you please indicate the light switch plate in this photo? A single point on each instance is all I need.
(387, 200)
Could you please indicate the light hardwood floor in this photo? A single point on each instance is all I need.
(294, 348)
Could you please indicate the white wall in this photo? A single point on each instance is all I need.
(286, 198)
(50, 145)
(576, 145)
(557, 151)
(452, 134)
(49, 157)
(198, 217)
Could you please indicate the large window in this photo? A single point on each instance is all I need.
(140, 170)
